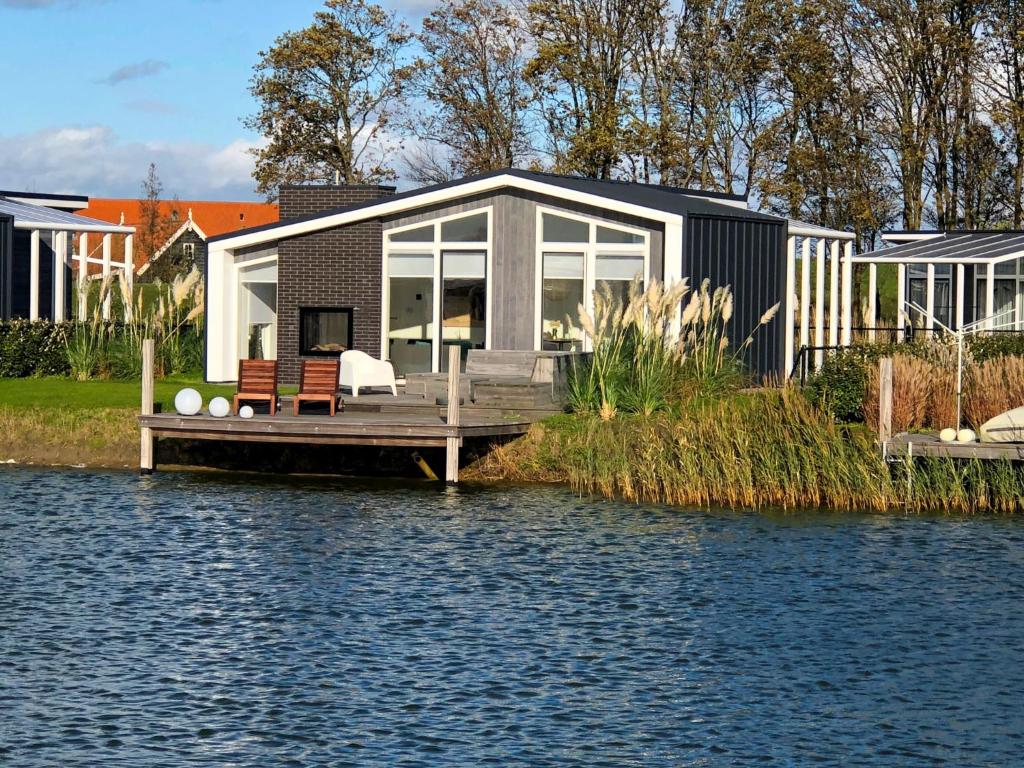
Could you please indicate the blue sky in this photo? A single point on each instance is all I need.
(96, 89)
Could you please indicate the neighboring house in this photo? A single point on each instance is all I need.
(40, 246)
(492, 261)
(184, 226)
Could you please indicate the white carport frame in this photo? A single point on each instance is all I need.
(58, 227)
(989, 263)
(832, 250)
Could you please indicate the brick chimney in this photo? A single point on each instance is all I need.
(307, 199)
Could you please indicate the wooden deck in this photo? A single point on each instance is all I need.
(371, 420)
(349, 428)
(904, 445)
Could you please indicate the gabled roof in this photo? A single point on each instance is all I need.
(644, 200)
(28, 216)
(188, 225)
(960, 247)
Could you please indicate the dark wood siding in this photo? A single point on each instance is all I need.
(750, 256)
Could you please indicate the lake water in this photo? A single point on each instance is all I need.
(187, 620)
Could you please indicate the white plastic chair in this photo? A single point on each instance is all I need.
(360, 371)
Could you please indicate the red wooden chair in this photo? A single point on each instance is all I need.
(257, 380)
(318, 382)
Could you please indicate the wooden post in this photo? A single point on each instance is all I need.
(146, 463)
(884, 399)
(451, 469)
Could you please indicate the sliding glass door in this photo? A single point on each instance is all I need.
(437, 291)
(463, 302)
(411, 311)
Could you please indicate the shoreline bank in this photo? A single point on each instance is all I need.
(712, 457)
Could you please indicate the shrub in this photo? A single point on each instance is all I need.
(840, 386)
(33, 348)
(989, 347)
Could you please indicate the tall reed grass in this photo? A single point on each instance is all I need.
(769, 449)
(653, 347)
(172, 316)
(924, 391)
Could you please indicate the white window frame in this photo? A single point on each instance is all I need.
(590, 250)
(436, 247)
(980, 279)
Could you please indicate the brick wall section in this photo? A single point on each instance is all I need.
(307, 199)
(337, 267)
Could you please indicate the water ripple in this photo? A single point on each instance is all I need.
(212, 620)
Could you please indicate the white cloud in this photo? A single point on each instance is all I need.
(93, 160)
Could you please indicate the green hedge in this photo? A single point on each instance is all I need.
(33, 348)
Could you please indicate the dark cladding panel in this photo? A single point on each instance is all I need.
(748, 255)
(6, 260)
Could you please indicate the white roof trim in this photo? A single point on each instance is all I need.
(881, 258)
(388, 207)
(187, 225)
(910, 237)
(64, 226)
(804, 229)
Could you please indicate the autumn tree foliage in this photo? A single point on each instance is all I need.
(327, 95)
(859, 114)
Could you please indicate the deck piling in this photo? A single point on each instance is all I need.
(451, 469)
(146, 461)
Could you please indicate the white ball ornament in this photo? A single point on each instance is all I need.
(188, 402)
(245, 412)
(219, 407)
(966, 436)
(948, 435)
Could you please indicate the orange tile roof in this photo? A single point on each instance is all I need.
(213, 217)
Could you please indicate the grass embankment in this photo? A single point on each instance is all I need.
(94, 423)
(773, 449)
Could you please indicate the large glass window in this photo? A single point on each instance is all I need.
(468, 229)
(917, 280)
(411, 311)
(1008, 295)
(463, 302)
(609, 257)
(563, 292)
(559, 229)
(617, 271)
(257, 309)
(417, 235)
(437, 294)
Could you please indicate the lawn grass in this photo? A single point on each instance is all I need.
(64, 393)
(60, 421)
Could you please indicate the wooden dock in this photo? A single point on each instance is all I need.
(905, 445)
(371, 420)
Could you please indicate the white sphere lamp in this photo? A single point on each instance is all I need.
(948, 435)
(966, 436)
(219, 407)
(188, 402)
(245, 412)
